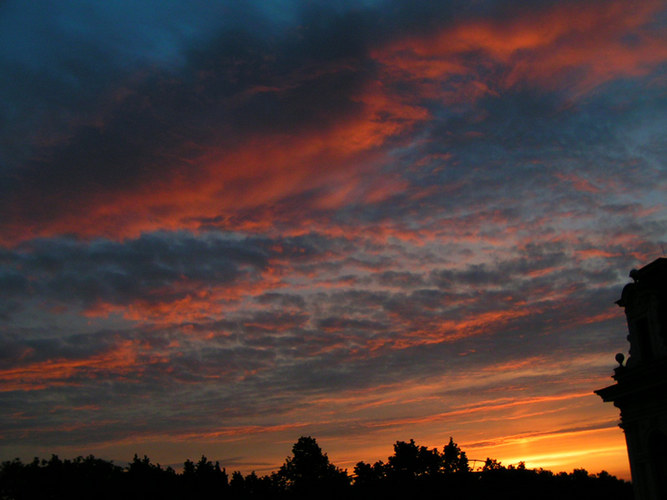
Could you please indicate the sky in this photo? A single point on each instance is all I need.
(225, 225)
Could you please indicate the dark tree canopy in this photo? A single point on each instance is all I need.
(453, 459)
(411, 461)
(412, 472)
(309, 469)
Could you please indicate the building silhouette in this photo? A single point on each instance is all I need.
(640, 391)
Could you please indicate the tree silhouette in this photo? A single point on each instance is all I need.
(491, 464)
(453, 459)
(410, 461)
(369, 475)
(309, 471)
(237, 485)
(204, 479)
(414, 472)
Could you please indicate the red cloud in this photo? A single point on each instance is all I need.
(119, 360)
(246, 186)
(258, 180)
(575, 44)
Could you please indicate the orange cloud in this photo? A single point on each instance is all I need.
(447, 330)
(247, 186)
(120, 360)
(579, 183)
(484, 408)
(190, 300)
(588, 41)
(235, 432)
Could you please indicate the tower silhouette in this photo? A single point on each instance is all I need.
(640, 391)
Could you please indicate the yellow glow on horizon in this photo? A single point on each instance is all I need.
(551, 460)
(594, 450)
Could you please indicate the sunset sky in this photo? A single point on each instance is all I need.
(224, 225)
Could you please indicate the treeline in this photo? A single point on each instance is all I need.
(412, 472)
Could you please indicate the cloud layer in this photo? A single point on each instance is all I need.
(232, 225)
